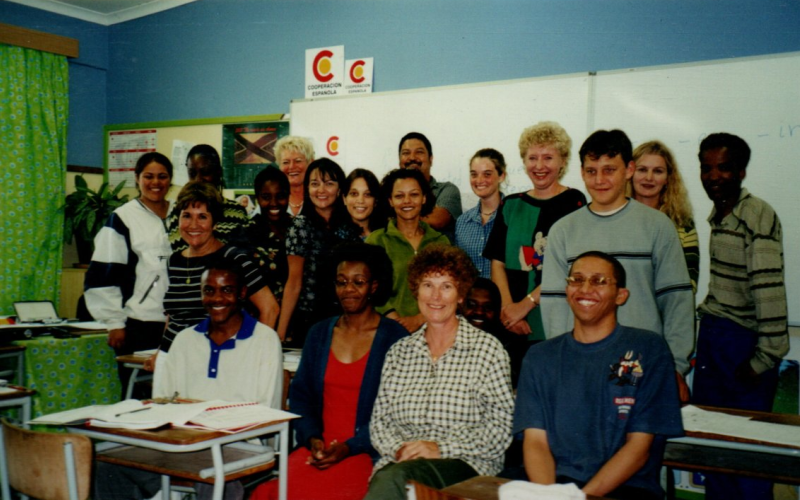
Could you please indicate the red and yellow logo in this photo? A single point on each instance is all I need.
(333, 145)
(357, 71)
(322, 66)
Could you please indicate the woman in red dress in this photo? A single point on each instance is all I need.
(337, 382)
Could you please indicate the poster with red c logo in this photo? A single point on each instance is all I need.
(332, 146)
(325, 73)
(359, 76)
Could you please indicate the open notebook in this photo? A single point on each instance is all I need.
(134, 414)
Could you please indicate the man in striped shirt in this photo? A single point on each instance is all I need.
(743, 331)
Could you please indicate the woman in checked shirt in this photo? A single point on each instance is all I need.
(444, 407)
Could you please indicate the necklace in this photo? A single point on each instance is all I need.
(298, 205)
(487, 214)
(188, 272)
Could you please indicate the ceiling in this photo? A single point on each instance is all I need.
(105, 12)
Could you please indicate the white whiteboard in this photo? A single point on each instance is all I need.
(458, 121)
(756, 98)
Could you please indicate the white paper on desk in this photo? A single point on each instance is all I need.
(698, 420)
(78, 416)
(238, 416)
(291, 359)
(106, 415)
(523, 490)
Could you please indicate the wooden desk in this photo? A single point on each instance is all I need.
(484, 488)
(70, 373)
(179, 440)
(21, 398)
(709, 452)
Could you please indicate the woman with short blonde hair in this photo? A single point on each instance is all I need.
(518, 241)
(293, 155)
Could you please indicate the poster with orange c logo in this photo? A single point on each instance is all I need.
(358, 79)
(325, 74)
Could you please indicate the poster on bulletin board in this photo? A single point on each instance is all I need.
(124, 149)
(247, 148)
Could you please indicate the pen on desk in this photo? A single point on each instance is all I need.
(147, 292)
(132, 411)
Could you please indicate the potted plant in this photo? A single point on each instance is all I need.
(85, 213)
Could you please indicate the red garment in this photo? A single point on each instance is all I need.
(347, 480)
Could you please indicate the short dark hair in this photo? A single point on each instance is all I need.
(211, 157)
(389, 180)
(494, 293)
(205, 151)
(148, 158)
(736, 146)
(619, 271)
(419, 137)
(220, 263)
(442, 259)
(201, 192)
(271, 174)
(607, 142)
(374, 257)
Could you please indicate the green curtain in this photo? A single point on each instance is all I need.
(33, 159)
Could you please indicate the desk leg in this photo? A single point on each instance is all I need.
(670, 483)
(166, 490)
(131, 383)
(283, 462)
(26, 413)
(219, 473)
(6, 489)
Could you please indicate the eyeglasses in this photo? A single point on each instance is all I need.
(358, 283)
(594, 281)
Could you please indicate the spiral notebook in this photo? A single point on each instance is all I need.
(235, 417)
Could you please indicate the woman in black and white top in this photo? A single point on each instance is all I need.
(127, 278)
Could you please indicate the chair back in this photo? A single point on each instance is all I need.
(43, 464)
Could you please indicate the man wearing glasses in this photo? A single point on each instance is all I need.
(597, 403)
(643, 240)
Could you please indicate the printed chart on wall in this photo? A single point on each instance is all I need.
(247, 148)
(124, 148)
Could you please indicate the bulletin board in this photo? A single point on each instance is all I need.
(126, 142)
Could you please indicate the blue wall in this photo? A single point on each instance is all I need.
(223, 57)
(87, 77)
(217, 58)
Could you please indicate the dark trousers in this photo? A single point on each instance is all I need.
(139, 336)
(116, 482)
(389, 483)
(722, 345)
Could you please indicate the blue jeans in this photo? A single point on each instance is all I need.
(722, 345)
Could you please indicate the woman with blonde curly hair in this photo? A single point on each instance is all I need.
(657, 183)
(518, 240)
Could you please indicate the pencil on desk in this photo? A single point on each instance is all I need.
(132, 411)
